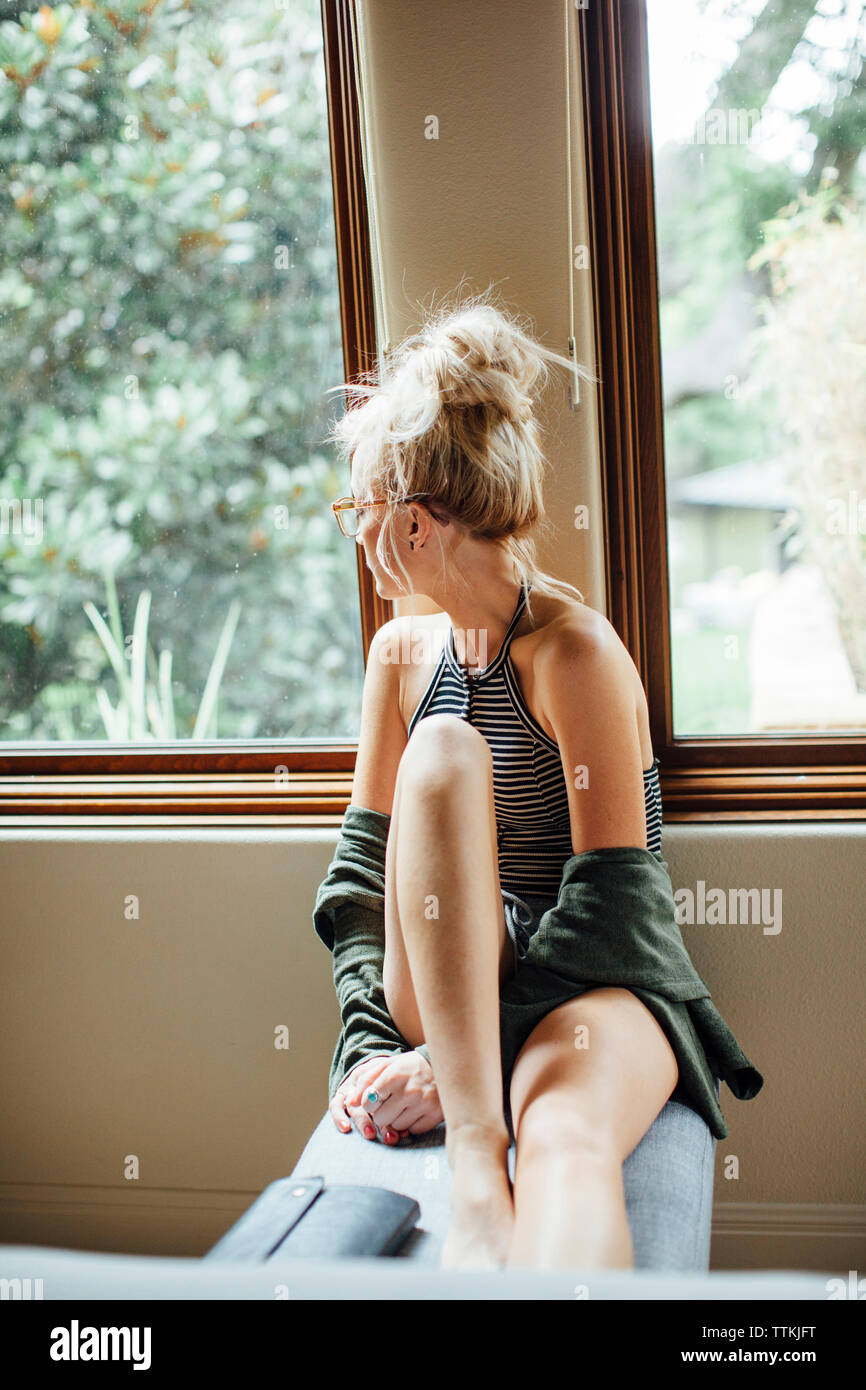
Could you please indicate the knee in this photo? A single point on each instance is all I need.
(555, 1124)
(442, 748)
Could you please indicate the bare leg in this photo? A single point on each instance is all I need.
(586, 1226)
(445, 923)
(578, 1115)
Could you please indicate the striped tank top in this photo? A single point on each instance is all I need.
(533, 828)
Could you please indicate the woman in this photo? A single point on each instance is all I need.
(506, 952)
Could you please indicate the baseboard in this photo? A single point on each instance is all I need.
(127, 1221)
(827, 1236)
(821, 1236)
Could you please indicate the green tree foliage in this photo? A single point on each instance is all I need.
(714, 201)
(811, 356)
(170, 325)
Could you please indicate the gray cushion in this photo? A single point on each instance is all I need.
(668, 1182)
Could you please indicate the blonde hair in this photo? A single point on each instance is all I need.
(449, 413)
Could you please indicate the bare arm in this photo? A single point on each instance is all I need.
(368, 1030)
(383, 734)
(587, 691)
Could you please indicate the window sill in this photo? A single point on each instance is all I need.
(318, 799)
(313, 798)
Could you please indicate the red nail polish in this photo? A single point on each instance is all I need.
(369, 1131)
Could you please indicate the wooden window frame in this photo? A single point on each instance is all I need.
(708, 779)
(743, 778)
(234, 783)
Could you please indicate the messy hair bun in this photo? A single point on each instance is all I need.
(449, 412)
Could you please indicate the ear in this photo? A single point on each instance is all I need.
(419, 525)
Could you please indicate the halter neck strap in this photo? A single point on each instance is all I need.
(503, 650)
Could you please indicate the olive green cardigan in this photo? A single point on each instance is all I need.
(614, 923)
(349, 916)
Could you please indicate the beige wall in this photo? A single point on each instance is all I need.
(155, 1037)
(488, 202)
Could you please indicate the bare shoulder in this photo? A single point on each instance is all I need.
(583, 679)
(409, 647)
(403, 640)
(577, 630)
(578, 637)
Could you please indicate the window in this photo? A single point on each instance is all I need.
(725, 147)
(761, 236)
(183, 277)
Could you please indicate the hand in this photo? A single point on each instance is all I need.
(345, 1113)
(409, 1098)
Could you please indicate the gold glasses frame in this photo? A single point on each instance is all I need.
(346, 507)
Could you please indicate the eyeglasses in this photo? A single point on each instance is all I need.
(348, 511)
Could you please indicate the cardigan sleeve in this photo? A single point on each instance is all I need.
(349, 917)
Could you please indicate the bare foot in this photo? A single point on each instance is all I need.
(482, 1208)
